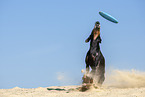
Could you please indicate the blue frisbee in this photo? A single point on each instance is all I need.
(108, 17)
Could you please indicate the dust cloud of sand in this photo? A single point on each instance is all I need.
(113, 78)
(125, 79)
(62, 78)
(65, 78)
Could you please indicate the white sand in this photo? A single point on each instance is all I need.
(43, 92)
(117, 84)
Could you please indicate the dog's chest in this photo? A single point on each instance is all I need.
(94, 43)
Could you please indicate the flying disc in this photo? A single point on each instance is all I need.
(108, 17)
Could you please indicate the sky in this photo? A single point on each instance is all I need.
(42, 42)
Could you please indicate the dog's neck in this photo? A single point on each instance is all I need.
(96, 33)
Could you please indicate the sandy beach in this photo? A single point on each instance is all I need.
(67, 91)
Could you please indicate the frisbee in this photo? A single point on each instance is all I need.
(108, 17)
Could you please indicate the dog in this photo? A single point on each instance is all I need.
(95, 58)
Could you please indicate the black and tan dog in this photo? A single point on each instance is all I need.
(94, 58)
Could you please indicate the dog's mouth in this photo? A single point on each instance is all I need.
(97, 26)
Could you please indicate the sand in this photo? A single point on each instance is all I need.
(117, 84)
(67, 91)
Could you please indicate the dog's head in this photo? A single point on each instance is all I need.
(97, 25)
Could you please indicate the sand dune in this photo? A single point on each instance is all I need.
(117, 84)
